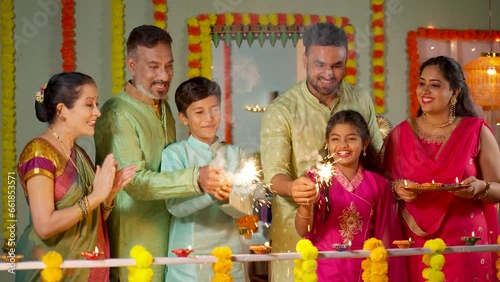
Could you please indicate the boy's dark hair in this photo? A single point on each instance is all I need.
(324, 34)
(148, 36)
(356, 120)
(195, 89)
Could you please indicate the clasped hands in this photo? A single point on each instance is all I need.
(215, 182)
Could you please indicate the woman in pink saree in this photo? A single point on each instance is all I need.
(356, 205)
(68, 201)
(445, 143)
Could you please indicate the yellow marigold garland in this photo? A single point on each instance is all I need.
(200, 46)
(52, 273)
(305, 268)
(435, 261)
(117, 46)
(142, 271)
(378, 61)
(375, 266)
(223, 265)
(8, 113)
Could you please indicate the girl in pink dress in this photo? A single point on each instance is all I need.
(356, 205)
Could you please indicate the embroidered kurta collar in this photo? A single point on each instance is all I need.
(349, 185)
(202, 145)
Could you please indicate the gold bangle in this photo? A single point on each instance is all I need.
(81, 204)
(303, 217)
(80, 212)
(485, 192)
(107, 208)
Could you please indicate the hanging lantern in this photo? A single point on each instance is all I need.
(483, 78)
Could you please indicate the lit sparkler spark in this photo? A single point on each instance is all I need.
(324, 173)
(248, 173)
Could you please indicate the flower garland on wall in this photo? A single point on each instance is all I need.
(117, 48)
(378, 61)
(435, 262)
(52, 272)
(160, 14)
(68, 35)
(142, 271)
(435, 34)
(8, 114)
(305, 268)
(375, 266)
(223, 265)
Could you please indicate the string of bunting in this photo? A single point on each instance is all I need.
(250, 27)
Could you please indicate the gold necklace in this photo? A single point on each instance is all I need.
(450, 121)
(71, 160)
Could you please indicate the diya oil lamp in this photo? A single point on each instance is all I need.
(261, 249)
(403, 244)
(470, 240)
(95, 255)
(11, 258)
(342, 247)
(183, 252)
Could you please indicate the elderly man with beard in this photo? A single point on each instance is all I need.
(136, 125)
(293, 131)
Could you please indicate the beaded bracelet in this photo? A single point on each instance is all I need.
(396, 196)
(485, 192)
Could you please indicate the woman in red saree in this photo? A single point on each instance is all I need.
(445, 143)
(68, 201)
(356, 205)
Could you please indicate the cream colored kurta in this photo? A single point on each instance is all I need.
(292, 135)
(136, 129)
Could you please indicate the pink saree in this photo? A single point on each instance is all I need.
(355, 211)
(39, 157)
(441, 214)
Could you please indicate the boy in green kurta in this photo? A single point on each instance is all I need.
(136, 125)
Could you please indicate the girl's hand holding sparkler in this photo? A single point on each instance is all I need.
(303, 191)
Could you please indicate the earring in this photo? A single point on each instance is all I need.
(364, 152)
(453, 101)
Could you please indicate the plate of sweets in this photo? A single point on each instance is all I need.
(434, 186)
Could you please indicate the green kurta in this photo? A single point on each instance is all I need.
(292, 135)
(130, 128)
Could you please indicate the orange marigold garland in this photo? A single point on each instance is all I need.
(378, 61)
(160, 13)
(223, 265)
(497, 262)
(68, 35)
(117, 46)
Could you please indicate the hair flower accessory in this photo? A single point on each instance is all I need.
(39, 94)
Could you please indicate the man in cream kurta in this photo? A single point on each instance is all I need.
(293, 133)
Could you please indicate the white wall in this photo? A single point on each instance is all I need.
(38, 33)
